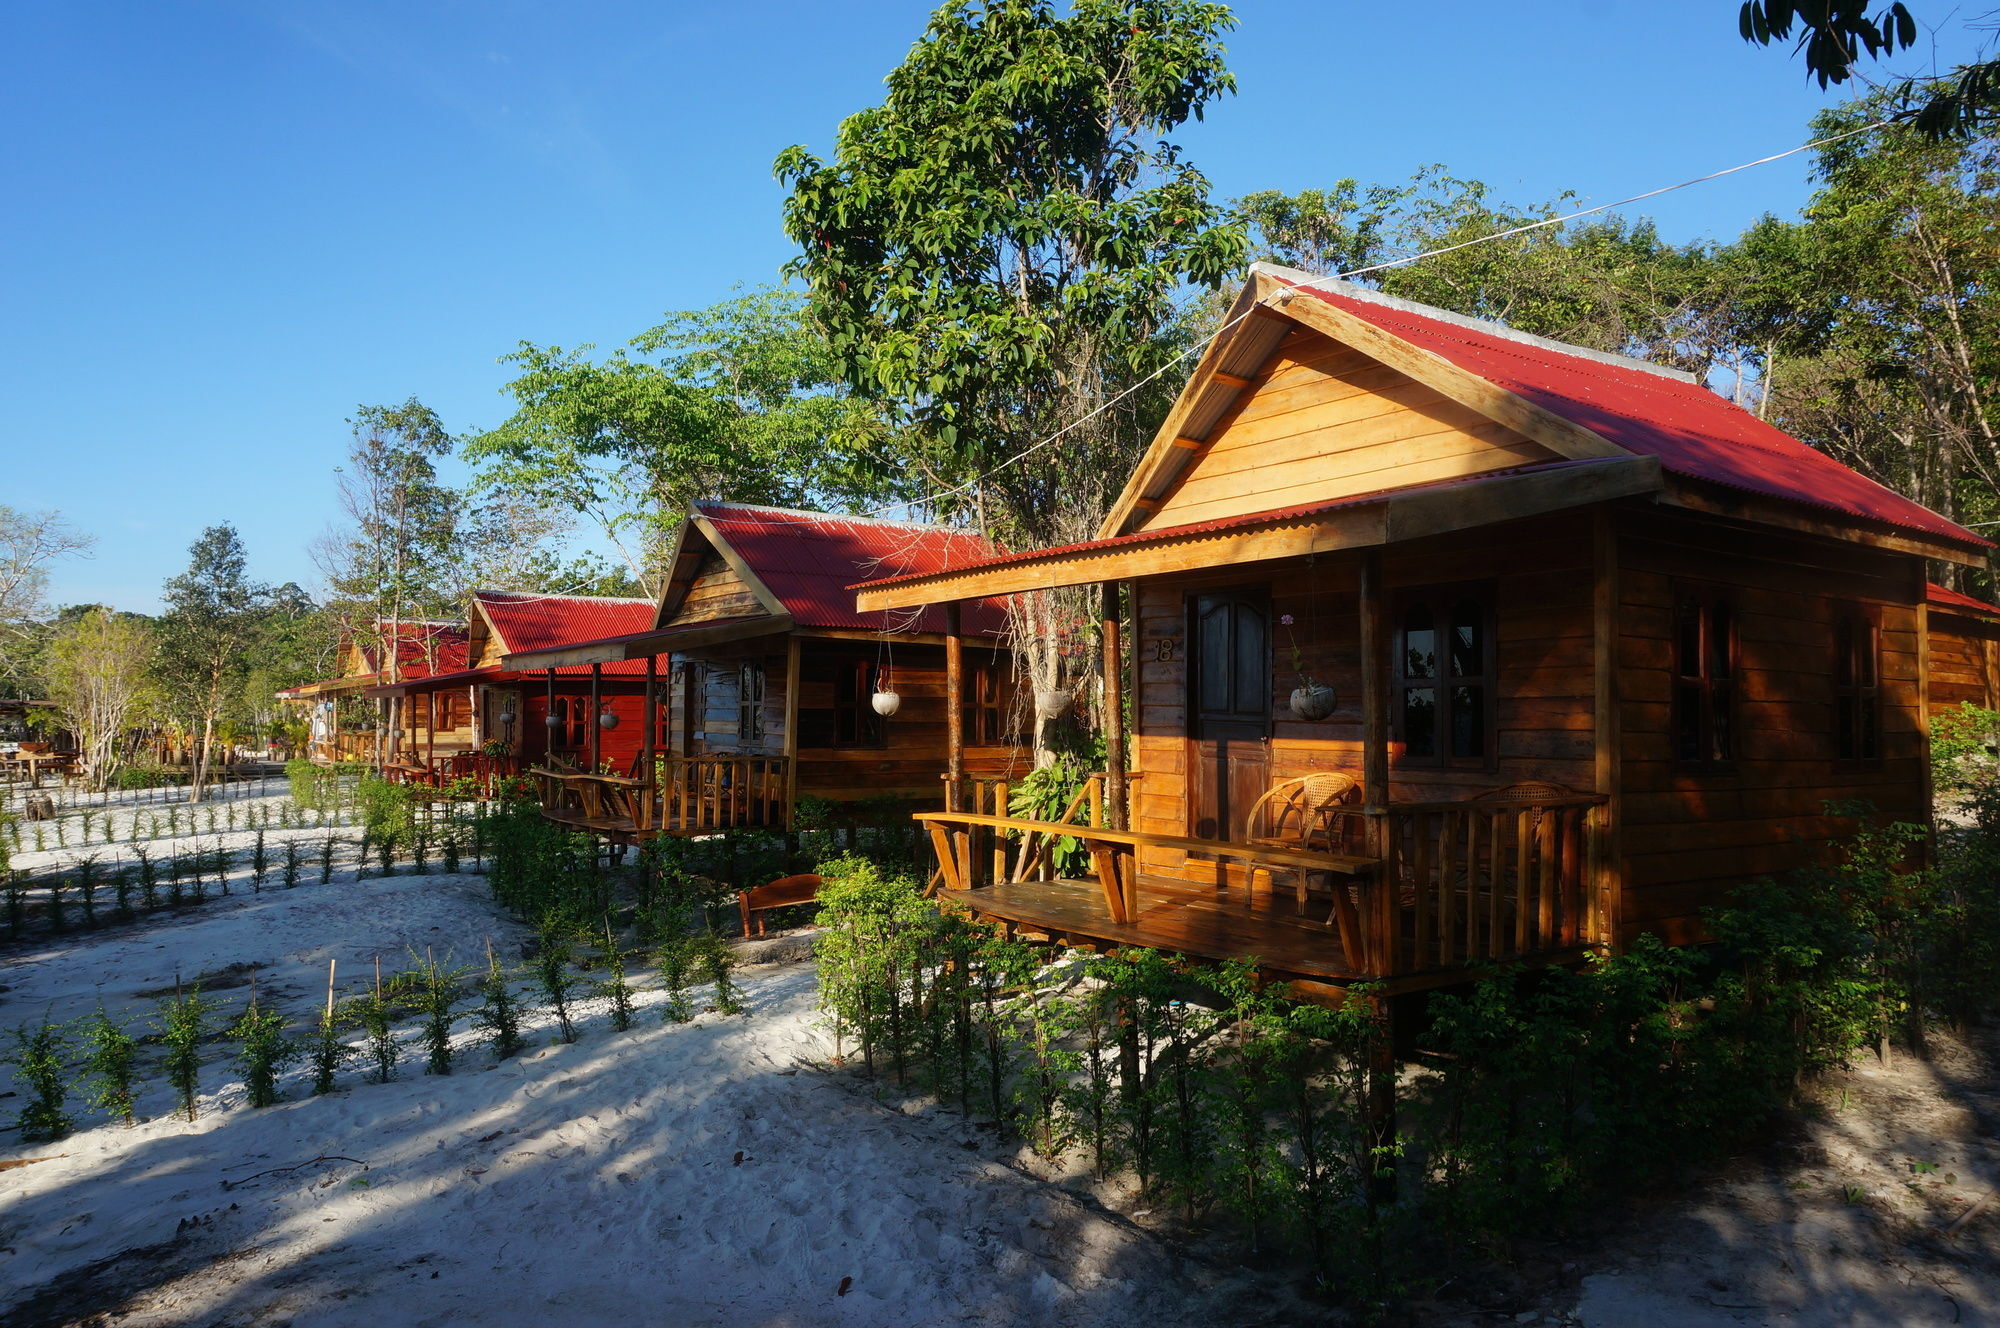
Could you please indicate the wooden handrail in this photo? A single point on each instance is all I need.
(1310, 859)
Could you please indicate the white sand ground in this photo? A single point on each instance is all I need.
(699, 1174)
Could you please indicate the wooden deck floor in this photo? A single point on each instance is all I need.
(1194, 920)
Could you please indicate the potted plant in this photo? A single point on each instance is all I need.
(1311, 700)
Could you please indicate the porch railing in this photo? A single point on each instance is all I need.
(1479, 881)
(686, 795)
(1454, 884)
(470, 774)
(1031, 850)
(698, 793)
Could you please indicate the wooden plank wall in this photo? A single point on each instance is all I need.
(1691, 836)
(618, 748)
(716, 592)
(912, 762)
(1322, 422)
(1965, 652)
(1541, 578)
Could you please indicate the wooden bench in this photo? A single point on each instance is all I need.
(781, 893)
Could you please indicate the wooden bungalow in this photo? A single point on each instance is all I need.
(1600, 646)
(768, 687)
(466, 728)
(421, 648)
(1963, 640)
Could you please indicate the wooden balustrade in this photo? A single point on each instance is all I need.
(465, 774)
(1458, 884)
(692, 794)
(1479, 881)
(989, 796)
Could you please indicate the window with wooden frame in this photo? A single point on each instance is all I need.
(855, 723)
(983, 718)
(572, 724)
(1704, 704)
(1857, 687)
(1441, 703)
(750, 703)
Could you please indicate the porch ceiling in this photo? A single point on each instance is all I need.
(1360, 522)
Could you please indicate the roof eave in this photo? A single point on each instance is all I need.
(1384, 519)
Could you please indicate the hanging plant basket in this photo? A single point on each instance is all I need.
(1051, 701)
(552, 720)
(886, 703)
(608, 720)
(1314, 701)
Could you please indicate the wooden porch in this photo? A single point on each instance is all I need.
(1441, 888)
(698, 795)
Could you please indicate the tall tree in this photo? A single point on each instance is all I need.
(741, 400)
(212, 611)
(99, 671)
(29, 542)
(996, 252)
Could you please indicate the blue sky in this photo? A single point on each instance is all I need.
(231, 223)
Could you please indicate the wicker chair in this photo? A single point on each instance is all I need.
(1301, 813)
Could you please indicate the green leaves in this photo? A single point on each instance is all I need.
(997, 249)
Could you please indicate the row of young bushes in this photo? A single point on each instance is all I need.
(98, 1060)
(102, 825)
(1532, 1094)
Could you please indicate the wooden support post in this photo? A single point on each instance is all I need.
(1606, 868)
(548, 724)
(1114, 707)
(1920, 593)
(649, 710)
(791, 735)
(1374, 702)
(596, 705)
(954, 705)
(430, 729)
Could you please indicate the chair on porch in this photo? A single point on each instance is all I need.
(1306, 812)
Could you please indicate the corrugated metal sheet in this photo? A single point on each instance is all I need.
(809, 560)
(1956, 602)
(1694, 432)
(542, 622)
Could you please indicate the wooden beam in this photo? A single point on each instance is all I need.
(1373, 638)
(647, 711)
(1190, 444)
(1114, 706)
(792, 651)
(1418, 513)
(596, 714)
(1162, 457)
(1756, 510)
(1921, 594)
(616, 649)
(954, 705)
(1607, 745)
(1237, 381)
(751, 581)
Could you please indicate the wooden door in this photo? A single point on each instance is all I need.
(1229, 709)
(694, 707)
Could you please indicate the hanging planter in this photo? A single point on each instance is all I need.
(886, 702)
(1051, 701)
(552, 720)
(1313, 701)
(607, 719)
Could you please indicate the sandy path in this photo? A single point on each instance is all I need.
(580, 1184)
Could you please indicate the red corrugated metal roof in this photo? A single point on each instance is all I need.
(545, 622)
(1274, 517)
(422, 648)
(1959, 603)
(1693, 431)
(809, 560)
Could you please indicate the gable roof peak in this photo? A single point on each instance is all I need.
(1292, 276)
